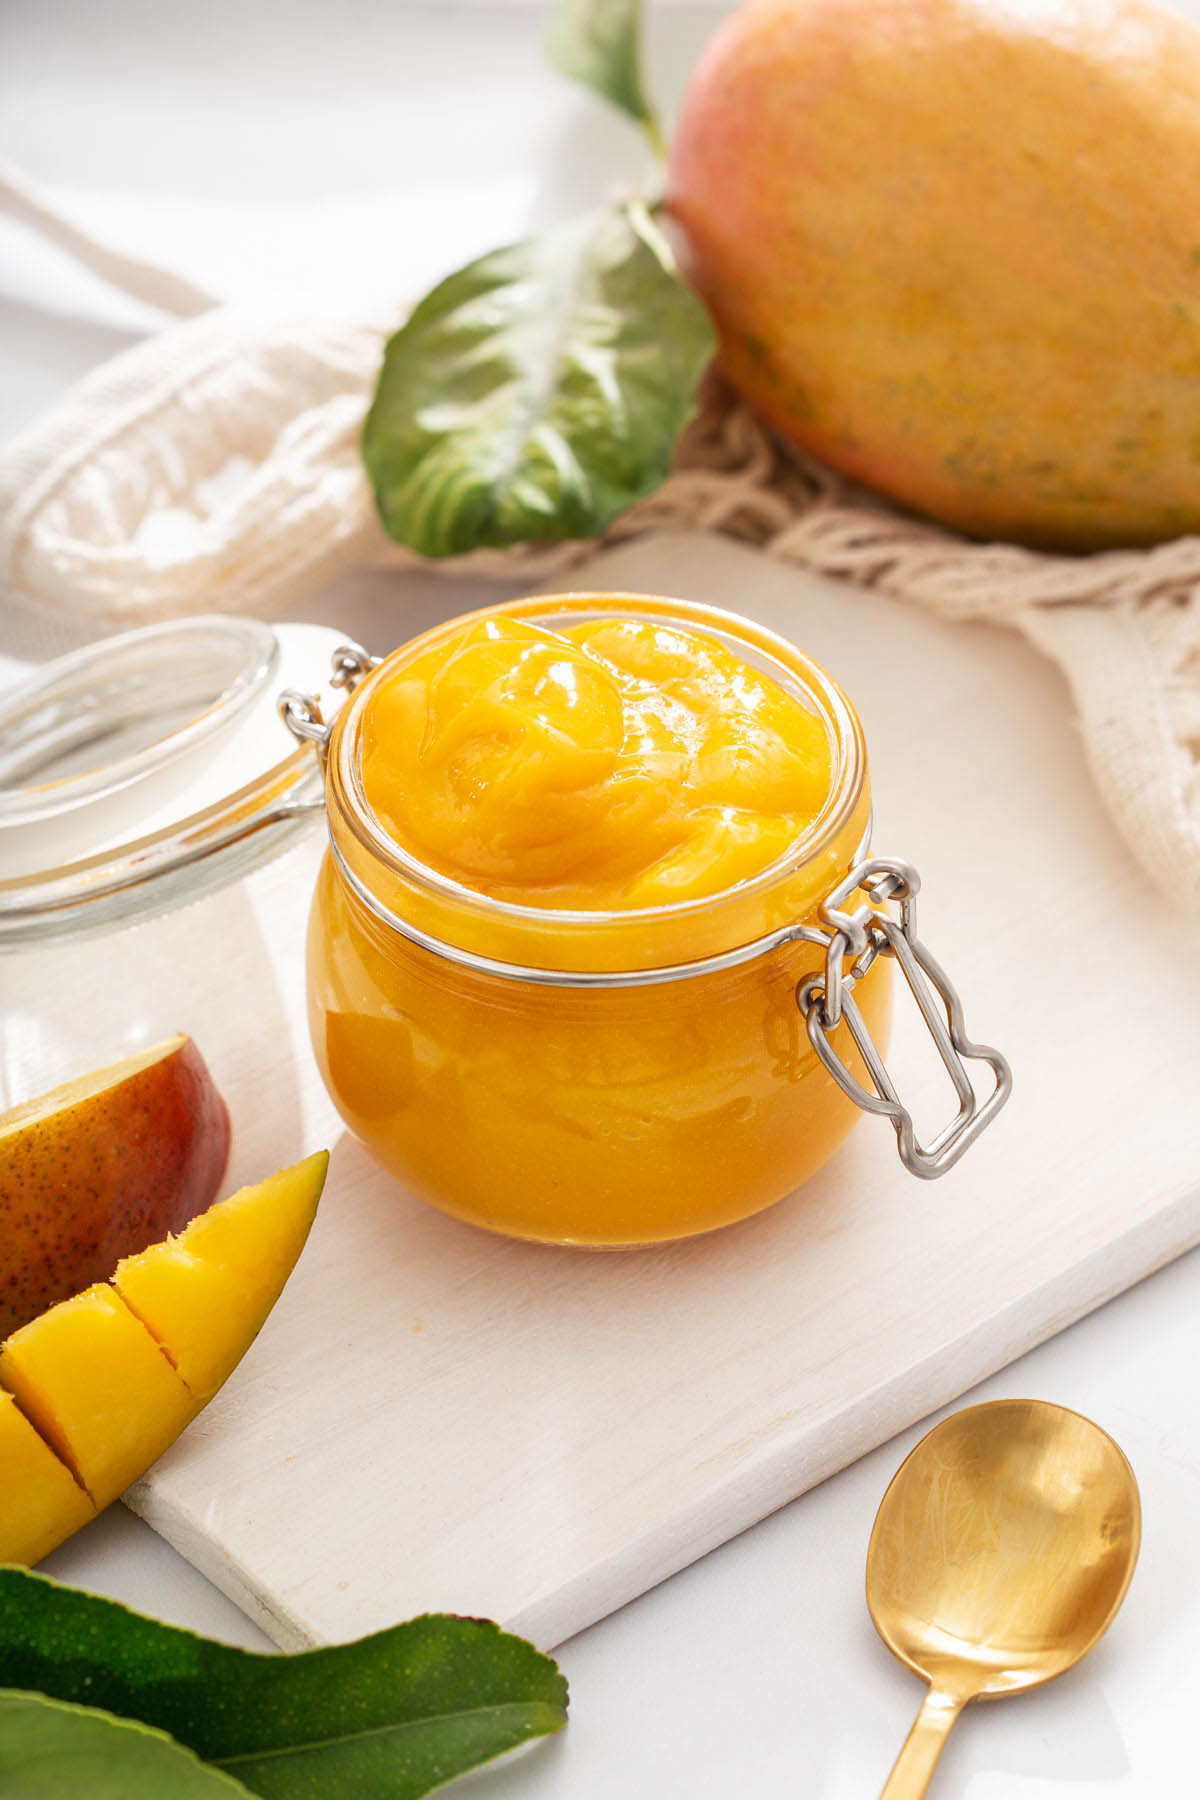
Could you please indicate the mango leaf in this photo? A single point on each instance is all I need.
(598, 42)
(52, 1751)
(537, 393)
(386, 1718)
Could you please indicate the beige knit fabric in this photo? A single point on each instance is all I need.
(216, 466)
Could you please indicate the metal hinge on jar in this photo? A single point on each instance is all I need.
(826, 999)
(301, 713)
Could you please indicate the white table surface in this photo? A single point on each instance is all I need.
(755, 1671)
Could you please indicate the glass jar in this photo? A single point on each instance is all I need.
(612, 1079)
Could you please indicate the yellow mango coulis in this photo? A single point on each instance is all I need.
(588, 783)
(609, 766)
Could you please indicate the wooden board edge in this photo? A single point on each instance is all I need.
(788, 1467)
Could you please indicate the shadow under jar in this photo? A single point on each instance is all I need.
(613, 1078)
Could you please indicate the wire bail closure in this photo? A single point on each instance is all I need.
(301, 713)
(826, 998)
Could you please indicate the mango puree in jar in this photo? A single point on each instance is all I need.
(592, 793)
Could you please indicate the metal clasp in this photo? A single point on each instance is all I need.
(852, 943)
(301, 713)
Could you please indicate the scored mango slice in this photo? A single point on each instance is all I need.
(99, 1385)
(90, 1378)
(182, 1289)
(40, 1500)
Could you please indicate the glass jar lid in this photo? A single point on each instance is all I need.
(147, 768)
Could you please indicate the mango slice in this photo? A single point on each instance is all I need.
(41, 1503)
(93, 1381)
(96, 1388)
(183, 1290)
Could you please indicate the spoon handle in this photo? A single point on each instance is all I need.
(922, 1747)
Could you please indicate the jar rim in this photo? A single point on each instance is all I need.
(655, 975)
(784, 661)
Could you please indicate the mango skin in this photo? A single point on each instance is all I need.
(952, 247)
(102, 1167)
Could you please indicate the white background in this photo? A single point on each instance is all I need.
(235, 138)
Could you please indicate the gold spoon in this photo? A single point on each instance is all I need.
(1000, 1554)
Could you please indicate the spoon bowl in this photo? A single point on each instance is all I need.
(1000, 1554)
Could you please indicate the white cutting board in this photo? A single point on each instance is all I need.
(438, 1419)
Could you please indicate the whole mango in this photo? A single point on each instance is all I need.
(952, 247)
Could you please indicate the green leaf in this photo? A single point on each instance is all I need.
(598, 42)
(387, 1718)
(537, 393)
(51, 1751)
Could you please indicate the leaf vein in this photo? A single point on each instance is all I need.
(309, 1747)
